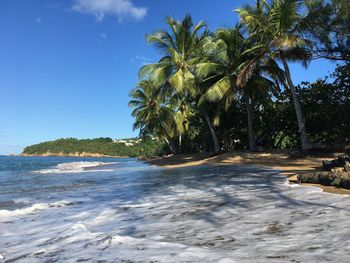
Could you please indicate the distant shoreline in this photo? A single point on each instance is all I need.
(83, 154)
(97, 147)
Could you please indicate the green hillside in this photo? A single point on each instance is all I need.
(133, 147)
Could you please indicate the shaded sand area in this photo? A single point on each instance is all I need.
(277, 160)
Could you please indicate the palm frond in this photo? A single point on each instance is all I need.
(205, 69)
(298, 54)
(247, 70)
(218, 90)
(177, 81)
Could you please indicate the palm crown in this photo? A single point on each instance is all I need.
(179, 48)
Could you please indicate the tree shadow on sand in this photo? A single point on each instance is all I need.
(219, 187)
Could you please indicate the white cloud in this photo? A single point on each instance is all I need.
(103, 36)
(141, 60)
(119, 8)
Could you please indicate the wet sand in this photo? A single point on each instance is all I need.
(278, 160)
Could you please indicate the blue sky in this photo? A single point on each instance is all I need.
(67, 66)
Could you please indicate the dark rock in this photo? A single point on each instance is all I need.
(336, 182)
(341, 179)
(329, 165)
(312, 178)
(345, 183)
(338, 173)
(325, 178)
(342, 159)
(337, 170)
(305, 178)
(339, 162)
(347, 166)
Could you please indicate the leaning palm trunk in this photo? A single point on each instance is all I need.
(169, 141)
(212, 132)
(171, 145)
(305, 142)
(252, 146)
(180, 143)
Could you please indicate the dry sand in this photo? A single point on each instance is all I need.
(280, 160)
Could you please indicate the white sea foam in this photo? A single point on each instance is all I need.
(75, 167)
(31, 209)
(236, 215)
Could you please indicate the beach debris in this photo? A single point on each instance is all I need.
(274, 228)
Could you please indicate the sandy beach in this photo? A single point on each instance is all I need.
(281, 160)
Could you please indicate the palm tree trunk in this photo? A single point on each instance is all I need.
(252, 146)
(171, 145)
(305, 142)
(212, 132)
(169, 141)
(180, 143)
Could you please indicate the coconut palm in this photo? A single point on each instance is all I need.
(226, 55)
(181, 117)
(153, 115)
(277, 28)
(180, 48)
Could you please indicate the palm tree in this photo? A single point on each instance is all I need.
(226, 55)
(153, 115)
(181, 117)
(277, 28)
(180, 48)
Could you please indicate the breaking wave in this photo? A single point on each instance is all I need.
(75, 167)
(32, 209)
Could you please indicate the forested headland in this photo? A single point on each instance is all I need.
(232, 88)
(98, 147)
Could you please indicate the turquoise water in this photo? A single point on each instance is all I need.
(55, 209)
(38, 179)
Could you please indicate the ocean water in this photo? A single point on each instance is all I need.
(55, 209)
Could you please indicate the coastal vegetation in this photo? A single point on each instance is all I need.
(133, 147)
(233, 88)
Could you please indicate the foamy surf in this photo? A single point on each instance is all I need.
(32, 209)
(75, 167)
(141, 213)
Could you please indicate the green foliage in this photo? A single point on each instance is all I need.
(327, 107)
(106, 146)
(326, 104)
(226, 90)
(331, 29)
(173, 77)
